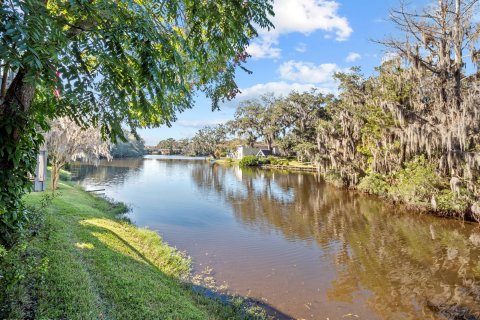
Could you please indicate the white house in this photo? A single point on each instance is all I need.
(243, 151)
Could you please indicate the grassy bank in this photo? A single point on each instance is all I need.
(80, 261)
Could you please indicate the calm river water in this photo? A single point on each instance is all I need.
(306, 248)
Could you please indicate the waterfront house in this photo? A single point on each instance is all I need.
(257, 150)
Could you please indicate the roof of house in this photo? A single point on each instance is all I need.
(257, 146)
(265, 152)
(250, 151)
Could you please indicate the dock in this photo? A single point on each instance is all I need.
(289, 168)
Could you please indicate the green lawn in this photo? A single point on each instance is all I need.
(92, 265)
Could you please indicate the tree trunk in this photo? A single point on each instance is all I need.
(458, 42)
(251, 142)
(6, 69)
(13, 110)
(269, 143)
(19, 94)
(13, 116)
(55, 175)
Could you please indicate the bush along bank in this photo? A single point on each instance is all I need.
(418, 186)
(78, 259)
(270, 161)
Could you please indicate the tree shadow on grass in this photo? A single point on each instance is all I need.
(134, 286)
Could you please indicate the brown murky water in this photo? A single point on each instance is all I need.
(305, 248)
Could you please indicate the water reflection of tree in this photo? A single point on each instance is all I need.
(411, 267)
(111, 172)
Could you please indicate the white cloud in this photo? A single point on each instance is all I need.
(295, 76)
(198, 124)
(307, 16)
(301, 47)
(307, 72)
(303, 16)
(353, 56)
(388, 56)
(264, 49)
(280, 88)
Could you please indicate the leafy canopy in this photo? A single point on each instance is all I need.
(138, 62)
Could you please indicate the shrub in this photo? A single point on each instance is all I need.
(249, 161)
(278, 161)
(374, 183)
(448, 202)
(22, 265)
(334, 178)
(416, 183)
(273, 160)
(263, 160)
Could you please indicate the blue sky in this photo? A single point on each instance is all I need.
(312, 40)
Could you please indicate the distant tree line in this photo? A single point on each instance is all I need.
(210, 141)
(287, 122)
(132, 147)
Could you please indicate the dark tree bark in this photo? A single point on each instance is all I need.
(13, 110)
(6, 70)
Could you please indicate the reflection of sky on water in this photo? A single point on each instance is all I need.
(295, 241)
